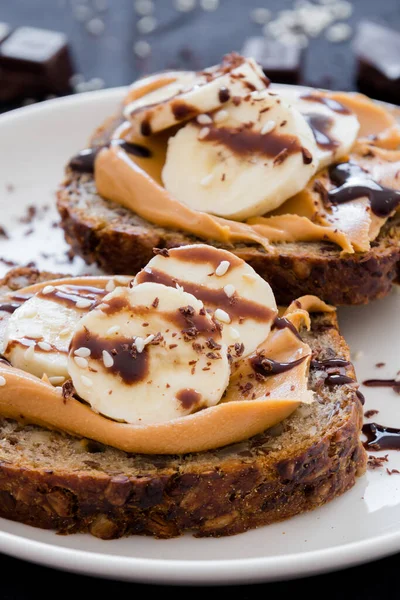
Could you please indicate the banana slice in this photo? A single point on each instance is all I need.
(38, 333)
(187, 95)
(261, 153)
(241, 302)
(148, 354)
(335, 126)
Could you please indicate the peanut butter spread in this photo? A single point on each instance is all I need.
(131, 168)
(264, 387)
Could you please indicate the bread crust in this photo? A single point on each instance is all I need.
(93, 226)
(224, 492)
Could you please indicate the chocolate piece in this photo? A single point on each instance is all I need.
(377, 49)
(280, 63)
(34, 62)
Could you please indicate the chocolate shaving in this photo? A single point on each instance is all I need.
(161, 251)
(375, 462)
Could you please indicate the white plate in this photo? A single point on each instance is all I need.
(362, 525)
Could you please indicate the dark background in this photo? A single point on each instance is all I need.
(187, 40)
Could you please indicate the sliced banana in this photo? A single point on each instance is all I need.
(189, 95)
(38, 333)
(335, 127)
(261, 154)
(151, 354)
(241, 302)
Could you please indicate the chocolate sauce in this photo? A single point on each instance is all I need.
(130, 365)
(84, 161)
(188, 398)
(353, 182)
(321, 126)
(9, 307)
(244, 141)
(145, 128)
(392, 383)
(183, 110)
(200, 253)
(282, 323)
(330, 362)
(234, 306)
(73, 293)
(267, 366)
(380, 437)
(337, 379)
(224, 94)
(360, 396)
(131, 148)
(329, 102)
(115, 305)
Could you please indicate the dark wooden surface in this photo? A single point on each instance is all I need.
(189, 40)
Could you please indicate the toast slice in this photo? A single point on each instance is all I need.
(92, 225)
(52, 480)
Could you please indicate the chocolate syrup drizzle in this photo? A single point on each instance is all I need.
(84, 161)
(282, 323)
(321, 126)
(353, 182)
(395, 385)
(380, 437)
(329, 102)
(268, 366)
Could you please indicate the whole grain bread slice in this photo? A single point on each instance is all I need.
(120, 241)
(52, 480)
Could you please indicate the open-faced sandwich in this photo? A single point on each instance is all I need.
(302, 184)
(181, 399)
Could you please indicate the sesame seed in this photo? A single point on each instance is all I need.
(44, 346)
(27, 342)
(59, 390)
(2, 381)
(86, 381)
(149, 339)
(29, 312)
(220, 116)
(179, 287)
(222, 316)
(56, 380)
(204, 131)
(29, 353)
(64, 332)
(222, 268)
(83, 303)
(139, 343)
(110, 286)
(81, 362)
(207, 180)
(235, 335)
(229, 290)
(108, 360)
(268, 127)
(82, 351)
(48, 289)
(250, 277)
(113, 330)
(146, 24)
(204, 119)
(95, 26)
(142, 49)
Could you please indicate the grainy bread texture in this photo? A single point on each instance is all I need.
(53, 480)
(120, 241)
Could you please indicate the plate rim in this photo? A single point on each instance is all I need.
(172, 571)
